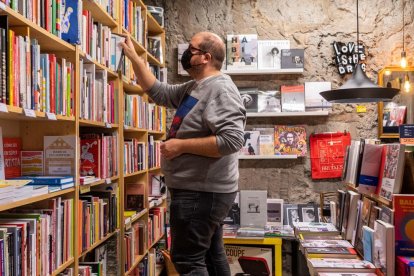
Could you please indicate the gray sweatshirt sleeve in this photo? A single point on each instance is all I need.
(168, 95)
(226, 117)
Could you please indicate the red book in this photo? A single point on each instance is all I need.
(11, 151)
(52, 83)
(90, 163)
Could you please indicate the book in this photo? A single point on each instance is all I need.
(363, 220)
(290, 140)
(292, 58)
(320, 228)
(392, 169)
(90, 157)
(370, 169)
(274, 212)
(290, 214)
(11, 151)
(71, 21)
(154, 48)
(293, 98)
(253, 208)
(313, 100)
(48, 180)
(384, 247)
(31, 163)
(241, 52)
(60, 155)
(368, 243)
(269, 101)
(405, 266)
(249, 98)
(269, 53)
(386, 214)
(325, 244)
(404, 221)
(331, 252)
(251, 144)
(134, 196)
(233, 216)
(347, 274)
(117, 55)
(318, 265)
(308, 213)
(393, 115)
(2, 174)
(266, 141)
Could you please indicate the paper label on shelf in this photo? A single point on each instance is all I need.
(85, 189)
(29, 112)
(361, 109)
(126, 127)
(3, 108)
(51, 116)
(2, 6)
(108, 125)
(108, 181)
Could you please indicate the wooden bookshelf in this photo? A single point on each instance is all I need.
(134, 265)
(32, 127)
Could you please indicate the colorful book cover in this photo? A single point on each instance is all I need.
(290, 140)
(60, 155)
(405, 266)
(71, 22)
(293, 98)
(251, 143)
(90, 157)
(269, 53)
(363, 220)
(242, 52)
(249, 260)
(11, 151)
(134, 196)
(370, 169)
(404, 224)
(31, 163)
(368, 243)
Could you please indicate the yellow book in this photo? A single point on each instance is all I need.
(129, 213)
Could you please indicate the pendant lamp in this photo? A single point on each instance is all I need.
(359, 88)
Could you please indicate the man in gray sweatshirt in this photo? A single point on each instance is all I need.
(200, 155)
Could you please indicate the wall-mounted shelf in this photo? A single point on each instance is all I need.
(259, 72)
(288, 114)
(263, 157)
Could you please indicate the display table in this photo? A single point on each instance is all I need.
(274, 242)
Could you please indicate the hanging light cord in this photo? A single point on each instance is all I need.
(403, 2)
(357, 23)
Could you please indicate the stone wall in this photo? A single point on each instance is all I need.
(312, 25)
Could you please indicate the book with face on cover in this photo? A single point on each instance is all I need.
(290, 140)
(269, 53)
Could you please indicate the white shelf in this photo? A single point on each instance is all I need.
(258, 72)
(260, 157)
(288, 114)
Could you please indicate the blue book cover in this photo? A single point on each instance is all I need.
(71, 21)
(48, 180)
(367, 240)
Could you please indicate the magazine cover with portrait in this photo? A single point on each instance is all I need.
(290, 140)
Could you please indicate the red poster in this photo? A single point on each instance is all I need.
(11, 149)
(327, 152)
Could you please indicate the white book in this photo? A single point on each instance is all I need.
(269, 53)
(332, 205)
(253, 208)
(313, 100)
(2, 176)
(274, 211)
(242, 52)
(251, 144)
(352, 214)
(384, 247)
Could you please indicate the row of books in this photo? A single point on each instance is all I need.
(362, 169)
(159, 73)
(132, 20)
(98, 213)
(290, 98)
(134, 156)
(280, 140)
(135, 240)
(147, 267)
(37, 241)
(154, 152)
(41, 82)
(154, 47)
(99, 155)
(156, 224)
(97, 94)
(140, 114)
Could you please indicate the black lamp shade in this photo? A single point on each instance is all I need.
(359, 89)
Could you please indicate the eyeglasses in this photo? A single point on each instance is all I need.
(192, 49)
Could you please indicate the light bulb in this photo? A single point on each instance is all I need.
(403, 61)
(407, 84)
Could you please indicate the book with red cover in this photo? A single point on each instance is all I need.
(90, 161)
(11, 151)
(370, 169)
(404, 224)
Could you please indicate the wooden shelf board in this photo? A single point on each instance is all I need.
(135, 173)
(90, 123)
(288, 114)
(373, 197)
(98, 243)
(138, 216)
(89, 59)
(99, 182)
(152, 60)
(137, 261)
(154, 169)
(266, 157)
(17, 113)
(35, 199)
(156, 241)
(154, 132)
(138, 46)
(131, 87)
(153, 27)
(259, 72)
(159, 205)
(47, 41)
(134, 129)
(63, 267)
(99, 14)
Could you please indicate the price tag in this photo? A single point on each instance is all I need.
(2, 6)
(108, 181)
(85, 189)
(126, 127)
(108, 125)
(29, 112)
(3, 108)
(51, 116)
(361, 109)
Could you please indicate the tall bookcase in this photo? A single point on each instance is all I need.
(31, 126)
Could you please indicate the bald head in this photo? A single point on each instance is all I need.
(212, 44)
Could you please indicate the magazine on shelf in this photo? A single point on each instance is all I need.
(290, 140)
(242, 52)
(269, 53)
(251, 143)
(253, 208)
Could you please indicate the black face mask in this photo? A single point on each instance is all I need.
(186, 59)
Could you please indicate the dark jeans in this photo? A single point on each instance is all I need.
(196, 220)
